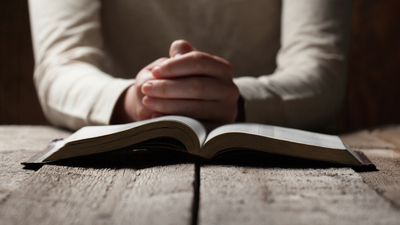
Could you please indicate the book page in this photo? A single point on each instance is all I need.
(197, 127)
(281, 133)
(96, 139)
(98, 131)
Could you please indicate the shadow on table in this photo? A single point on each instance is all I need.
(142, 158)
(135, 159)
(269, 160)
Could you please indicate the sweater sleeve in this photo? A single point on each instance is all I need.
(307, 88)
(72, 89)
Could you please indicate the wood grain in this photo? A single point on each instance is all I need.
(29, 138)
(76, 195)
(11, 173)
(248, 195)
(390, 134)
(156, 187)
(365, 139)
(385, 156)
(144, 187)
(17, 144)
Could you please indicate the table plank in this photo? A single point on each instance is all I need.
(18, 143)
(144, 187)
(246, 195)
(365, 139)
(11, 172)
(386, 157)
(30, 138)
(157, 187)
(390, 134)
(76, 195)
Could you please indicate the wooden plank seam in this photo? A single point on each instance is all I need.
(196, 195)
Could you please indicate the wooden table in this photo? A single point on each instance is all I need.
(163, 188)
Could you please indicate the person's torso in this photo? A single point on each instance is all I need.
(244, 32)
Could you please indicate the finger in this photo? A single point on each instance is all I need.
(145, 74)
(193, 63)
(155, 63)
(148, 114)
(194, 87)
(180, 47)
(143, 113)
(140, 112)
(198, 109)
(157, 114)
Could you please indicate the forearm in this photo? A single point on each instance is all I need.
(72, 88)
(78, 94)
(291, 99)
(307, 88)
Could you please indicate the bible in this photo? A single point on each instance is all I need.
(189, 135)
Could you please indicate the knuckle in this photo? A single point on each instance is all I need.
(228, 69)
(161, 88)
(225, 65)
(197, 87)
(198, 61)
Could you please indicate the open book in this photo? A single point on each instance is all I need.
(189, 135)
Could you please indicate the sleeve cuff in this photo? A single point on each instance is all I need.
(260, 104)
(108, 98)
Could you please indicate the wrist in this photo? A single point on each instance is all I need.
(240, 117)
(120, 113)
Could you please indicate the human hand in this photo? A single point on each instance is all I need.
(129, 107)
(193, 84)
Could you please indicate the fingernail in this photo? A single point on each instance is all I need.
(177, 55)
(147, 88)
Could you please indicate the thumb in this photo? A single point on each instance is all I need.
(180, 47)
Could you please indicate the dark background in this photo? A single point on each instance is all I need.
(373, 97)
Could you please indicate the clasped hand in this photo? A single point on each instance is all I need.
(189, 83)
